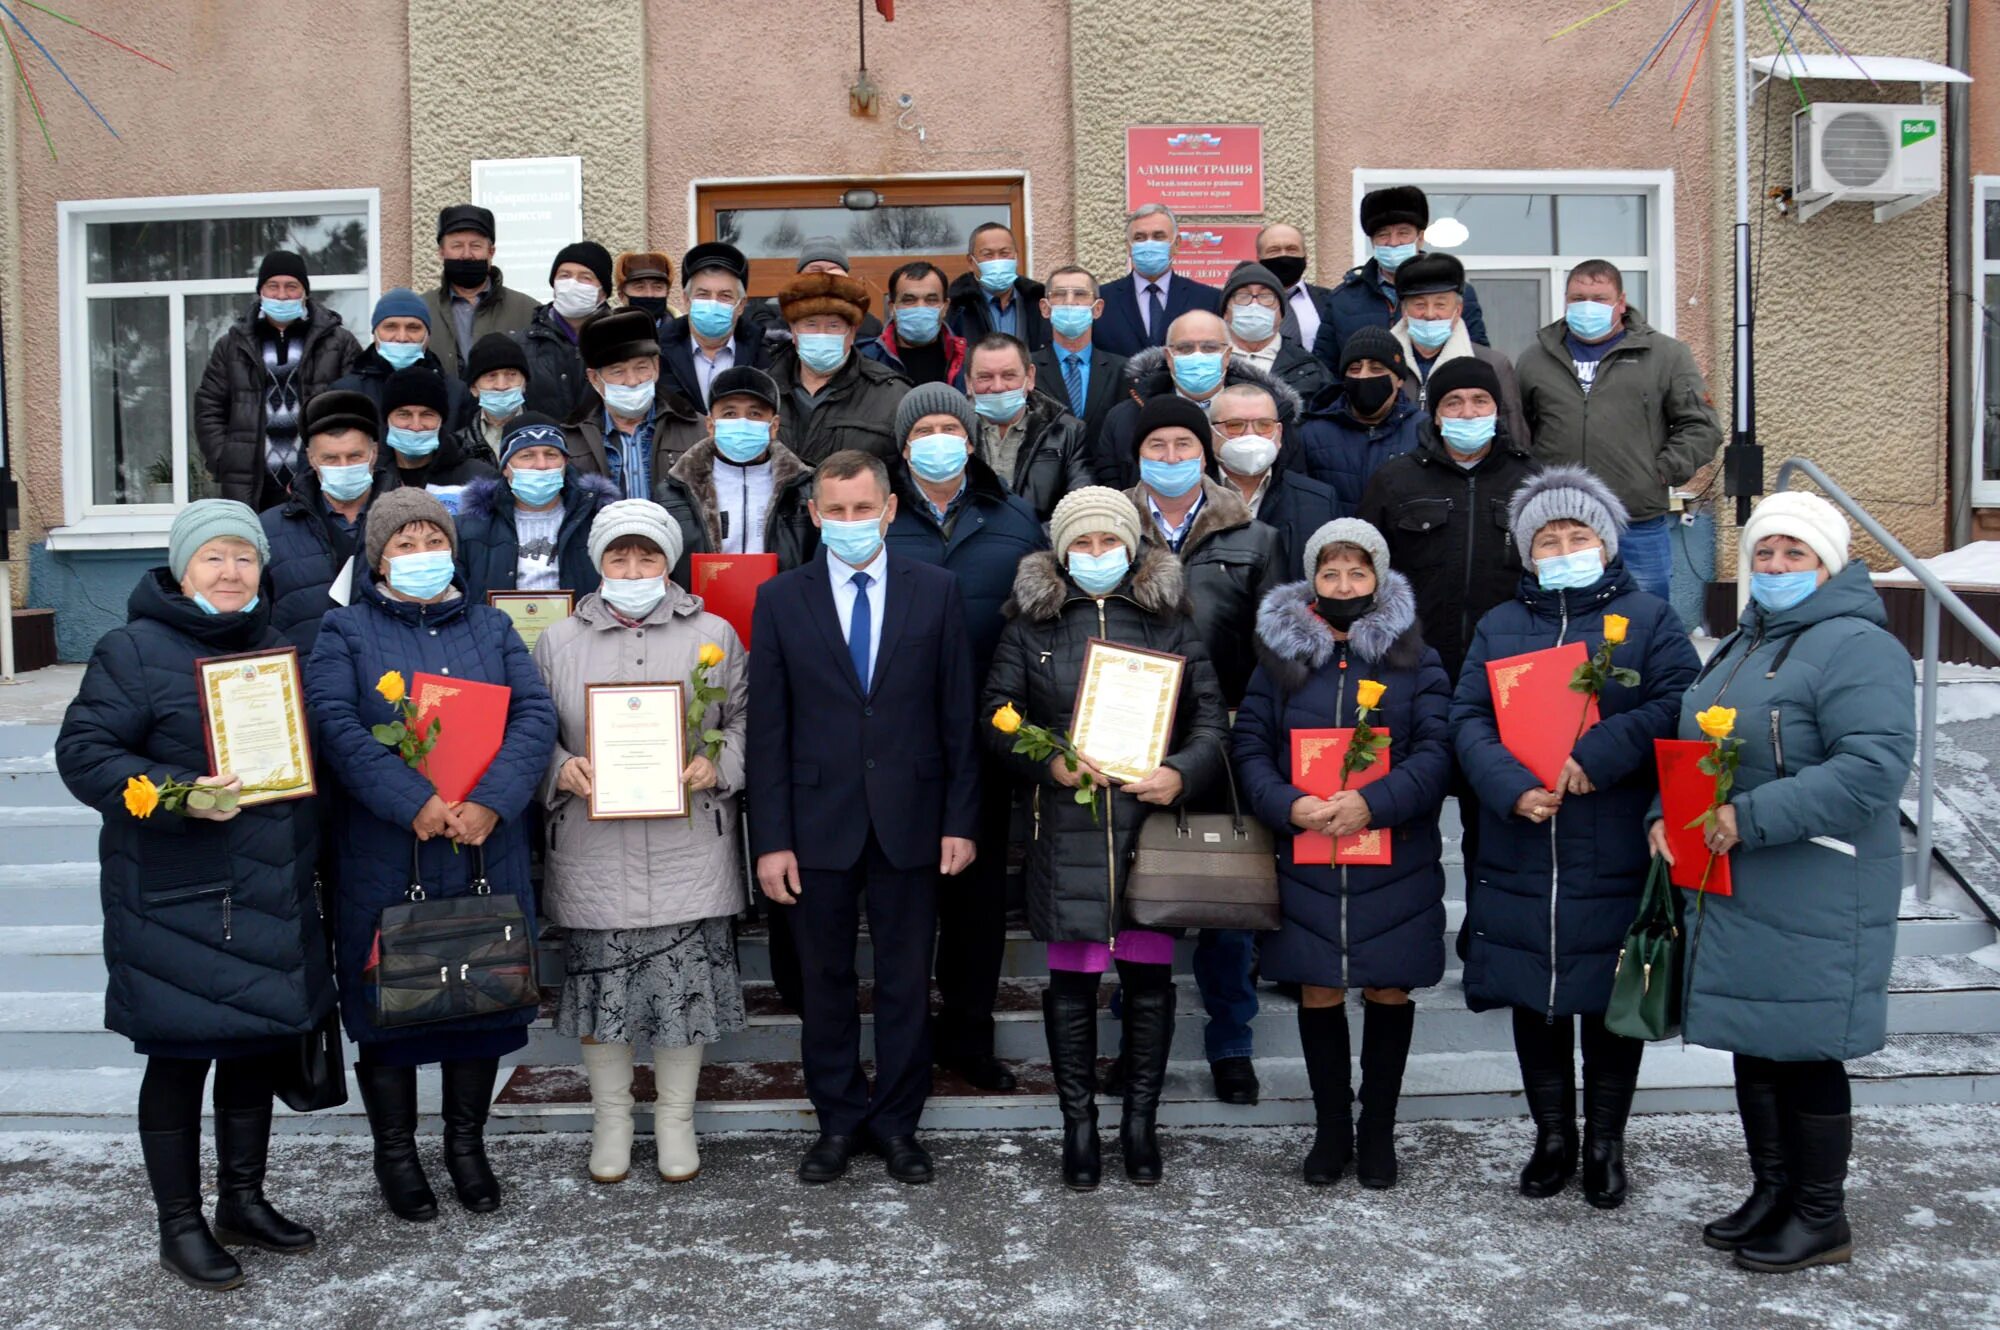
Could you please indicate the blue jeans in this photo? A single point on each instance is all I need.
(1648, 551)
(1222, 960)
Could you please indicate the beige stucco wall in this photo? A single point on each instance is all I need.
(16, 341)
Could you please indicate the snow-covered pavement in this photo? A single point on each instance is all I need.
(1231, 1239)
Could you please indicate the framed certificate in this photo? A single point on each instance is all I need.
(1125, 706)
(635, 735)
(533, 611)
(254, 714)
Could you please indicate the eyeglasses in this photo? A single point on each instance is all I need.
(1196, 348)
(1264, 298)
(1236, 429)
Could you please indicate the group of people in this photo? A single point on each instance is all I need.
(1301, 492)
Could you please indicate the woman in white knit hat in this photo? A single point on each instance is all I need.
(647, 901)
(1790, 972)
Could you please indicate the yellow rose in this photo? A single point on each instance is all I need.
(1368, 693)
(141, 796)
(1006, 719)
(390, 685)
(1717, 722)
(1614, 629)
(711, 655)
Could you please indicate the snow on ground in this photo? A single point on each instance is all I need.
(1974, 565)
(1231, 1239)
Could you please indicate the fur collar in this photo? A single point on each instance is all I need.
(481, 498)
(1456, 345)
(1146, 375)
(1042, 588)
(1293, 641)
(696, 470)
(1223, 508)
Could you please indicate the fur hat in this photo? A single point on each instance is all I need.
(1802, 516)
(612, 335)
(1398, 203)
(1091, 508)
(391, 512)
(1348, 531)
(1564, 493)
(338, 409)
(640, 263)
(812, 293)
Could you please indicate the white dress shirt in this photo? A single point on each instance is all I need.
(843, 600)
(1306, 312)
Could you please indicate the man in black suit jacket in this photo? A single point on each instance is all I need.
(1139, 306)
(864, 770)
(713, 275)
(1099, 373)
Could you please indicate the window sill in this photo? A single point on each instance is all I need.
(111, 533)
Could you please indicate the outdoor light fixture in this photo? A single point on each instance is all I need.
(860, 200)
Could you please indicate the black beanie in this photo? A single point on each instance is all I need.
(1375, 343)
(338, 409)
(1170, 408)
(1398, 203)
(591, 255)
(1461, 372)
(283, 263)
(496, 350)
(415, 386)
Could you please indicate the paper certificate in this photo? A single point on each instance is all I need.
(1125, 708)
(533, 611)
(253, 709)
(635, 735)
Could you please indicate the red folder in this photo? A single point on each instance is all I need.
(474, 721)
(1316, 757)
(1685, 794)
(1536, 711)
(727, 585)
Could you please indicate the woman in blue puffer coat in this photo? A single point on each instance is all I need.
(410, 614)
(1379, 928)
(1560, 872)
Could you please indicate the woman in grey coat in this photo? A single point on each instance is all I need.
(647, 901)
(1791, 971)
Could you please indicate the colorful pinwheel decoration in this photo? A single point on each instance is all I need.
(11, 24)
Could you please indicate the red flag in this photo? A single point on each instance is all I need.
(887, 9)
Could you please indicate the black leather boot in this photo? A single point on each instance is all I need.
(1814, 1231)
(1071, 1022)
(1149, 1038)
(1323, 1037)
(1385, 1050)
(1764, 1136)
(1552, 1104)
(1607, 1103)
(243, 1218)
(390, 1096)
(187, 1248)
(468, 1094)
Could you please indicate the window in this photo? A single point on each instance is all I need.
(147, 286)
(1986, 338)
(1527, 229)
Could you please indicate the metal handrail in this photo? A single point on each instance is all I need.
(1936, 594)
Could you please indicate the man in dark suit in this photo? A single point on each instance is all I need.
(1281, 247)
(1073, 368)
(865, 777)
(1139, 306)
(711, 337)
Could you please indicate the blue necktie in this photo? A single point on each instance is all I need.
(1156, 330)
(860, 625)
(1073, 378)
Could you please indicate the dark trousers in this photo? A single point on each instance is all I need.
(972, 930)
(1544, 1045)
(1468, 845)
(902, 924)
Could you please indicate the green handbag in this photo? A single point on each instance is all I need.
(1646, 993)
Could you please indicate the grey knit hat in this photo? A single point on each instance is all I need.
(398, 509)
(1094, 508)
(635, 517)
(1564, 493)
(822, 249)
(934, 399)
(213, 519)
(1349, 531)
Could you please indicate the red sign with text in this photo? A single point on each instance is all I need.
(1197, 170)
(1210, 253)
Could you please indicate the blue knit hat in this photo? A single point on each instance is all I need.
(531, 429)
(399, 302)
(211, 519)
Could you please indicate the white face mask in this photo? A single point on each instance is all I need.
(573, 298)
(1250, 455)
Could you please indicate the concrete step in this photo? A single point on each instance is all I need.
(27, 782)
(61, 893)
(49, 833)
(24, 741)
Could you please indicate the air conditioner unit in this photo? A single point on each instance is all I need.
(1857, 152)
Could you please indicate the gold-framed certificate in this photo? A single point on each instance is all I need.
(1125, 705)
(533, 612)
(254, 714)
(635, 735)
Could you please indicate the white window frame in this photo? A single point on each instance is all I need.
(1985, 188)
(95, 526)
(1657, 264)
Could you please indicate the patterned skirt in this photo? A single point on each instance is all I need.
(666, 987)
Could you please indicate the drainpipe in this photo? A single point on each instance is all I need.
(1958, 230)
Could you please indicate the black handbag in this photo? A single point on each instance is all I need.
(1208, 870)
(313, 1077)
(448, 958)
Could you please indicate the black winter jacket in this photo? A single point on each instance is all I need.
(677, 355)
(991, 532)
(370, 373)
(308, 550)
(229, 403)
(489, 546)
(1294, 505)
(688, 492)
(1115, 460)
(556, 384)
(1231, 562)
(447, 474)
(966, 310)
(856, 409)
(1053, 460)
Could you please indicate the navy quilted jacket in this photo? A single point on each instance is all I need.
(307, 552)
(211, 931)
(1344, 453)
(489, 544)
(357, 645)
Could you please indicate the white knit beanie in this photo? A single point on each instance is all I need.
(1802, 516)
(1094, 508)
(1349, 531)
(635, 517)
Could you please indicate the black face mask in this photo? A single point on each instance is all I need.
(653, 305)
(467, 272)
(1367, 396)
(1287, 268)
(1343, 614)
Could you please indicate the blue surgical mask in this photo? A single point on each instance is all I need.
(1431, 334)
(711, 318)
(1253, 323)
(1781, 591)
(630, 400)
(282, 311)
(742, 441)
(822, 352)
(1571, 572)
(916, 325)
(853, 543)
(400, 355)
(342, 483)
(1467, 434)
(502, 403)
(996, 275)
(937, 457)
(633, 597)
(1172, 479)
(1198, 373)
(1071, 321)
(420, 576)
(1000, 407)
(208, 607)
(413, 442)
(534, 486)
(1099, 574)
(1590, 320)
(1391, 257)
(1150, 258)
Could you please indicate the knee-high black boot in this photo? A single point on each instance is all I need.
(1814, 1230)
(468, 1094)
(1149, 1038)
(1607, 1103)
(243, 1217)
(1764, 1136)
(1323, 1036)
(1548, 1079)
(390, 1096)
(1385, 1051)
(1071, 1021)
(187, 1248)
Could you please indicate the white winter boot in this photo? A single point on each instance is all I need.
(677, 1074)
(609, 1067)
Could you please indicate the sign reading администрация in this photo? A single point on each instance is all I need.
(537, 205)
(1199, 170)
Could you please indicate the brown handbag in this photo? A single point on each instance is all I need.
(1208, 870)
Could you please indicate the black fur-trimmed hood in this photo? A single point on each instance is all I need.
(1042, 588)
(1293, 641)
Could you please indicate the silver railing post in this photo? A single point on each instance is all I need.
(1927, 748)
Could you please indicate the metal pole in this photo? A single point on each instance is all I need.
(1958, 231)
(1743, 469)
(1927, 749)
